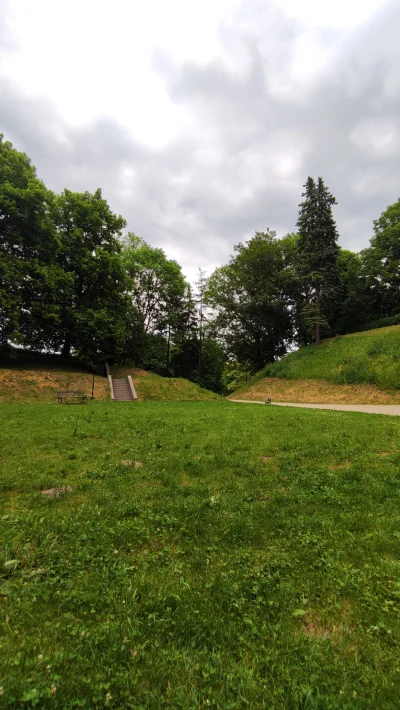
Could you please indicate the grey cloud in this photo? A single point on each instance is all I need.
(7, 42)
(253, 141)
(321, 122)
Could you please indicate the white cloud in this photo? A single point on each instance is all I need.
(342, 14)
(95, 58)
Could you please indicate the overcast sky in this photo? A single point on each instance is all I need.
(201, 119)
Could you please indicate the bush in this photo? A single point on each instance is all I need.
(7, 353)
(235, 375)
(356, 372)
(382, 323)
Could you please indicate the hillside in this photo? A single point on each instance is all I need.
(154, 387)
(38, 378)
(314, 392)
(28, 385)
(356, 368)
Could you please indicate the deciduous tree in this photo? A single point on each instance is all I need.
(157, 288)
(93, 303)
(251, 307)
(382, 261)
(28, 242)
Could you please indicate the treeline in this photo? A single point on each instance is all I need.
(276, 293)
(72, 281)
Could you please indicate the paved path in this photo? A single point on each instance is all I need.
(393, 409)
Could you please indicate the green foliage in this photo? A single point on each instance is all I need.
(7, 353)
(382, 261)
(382, 322)
(212, 365)
(157, 285)
(27, 241)
(370, 357)
(297, 289)
(208, 353)
(92, 302)
(317, 251)
(249, 299)
(235, 375)
(354, 304)
(243, 558)
(161, 297)
(153, 354)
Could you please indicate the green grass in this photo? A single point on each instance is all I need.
(252, 560)
(371, 357)
(42, 378)
(172, 389)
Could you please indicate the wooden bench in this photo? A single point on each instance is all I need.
(72, 396)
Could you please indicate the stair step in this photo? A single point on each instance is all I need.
(122, 390)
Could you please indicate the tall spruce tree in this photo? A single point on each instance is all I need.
(318, 250)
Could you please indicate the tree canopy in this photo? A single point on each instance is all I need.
(28, 240)
(251, 302)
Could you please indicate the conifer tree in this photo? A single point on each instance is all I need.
(318, 250)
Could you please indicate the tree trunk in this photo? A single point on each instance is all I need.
(168, 345)
(66, 348)
(318, 314)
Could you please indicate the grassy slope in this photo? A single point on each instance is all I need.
(251, 560)
(28, 385)
(314, 392)
(39, 380)
(371, 357)
(365, 365)
(153, 387)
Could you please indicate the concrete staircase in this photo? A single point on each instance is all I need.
(122, 390)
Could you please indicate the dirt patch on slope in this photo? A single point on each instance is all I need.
(41, 386)
(315, 392)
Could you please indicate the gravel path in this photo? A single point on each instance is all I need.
(392, 409)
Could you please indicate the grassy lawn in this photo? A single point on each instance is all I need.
(371, 357)
(208, 555)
